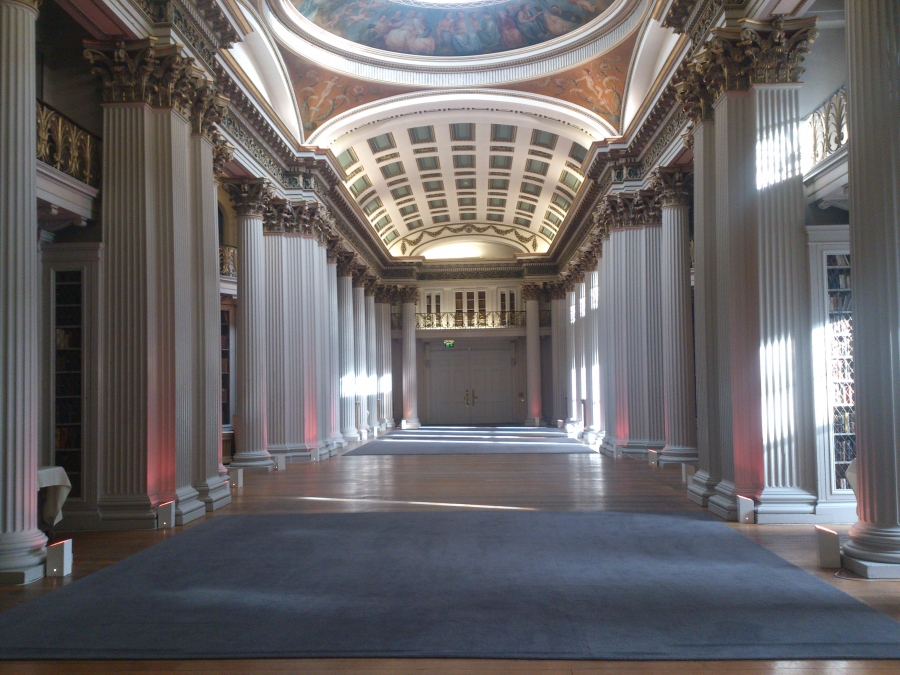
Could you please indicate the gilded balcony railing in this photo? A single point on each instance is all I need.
(473, 319)
(66, 146)
(826, 129)
(228, 261)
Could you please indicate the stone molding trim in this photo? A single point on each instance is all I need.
(673, 186)
(250, 197)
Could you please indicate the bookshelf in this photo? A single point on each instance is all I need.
(841, 392)
(68, 376)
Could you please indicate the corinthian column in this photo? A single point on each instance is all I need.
(874, 108)
(578, 326)
(250, 198)
(361, 352)
(531, 295)
(21, 543)
(371, 360)
(410, 390)
(558, 346)
(334, 352)
(213, 489)
(346, 346)
(672, 189)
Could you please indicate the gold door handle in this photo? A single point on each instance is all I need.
(466, 398)
(474, 398)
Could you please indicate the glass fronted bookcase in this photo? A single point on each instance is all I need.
(831, 285)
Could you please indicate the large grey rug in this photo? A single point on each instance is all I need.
(451, 584)
(473, 441)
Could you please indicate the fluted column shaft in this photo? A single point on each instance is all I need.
(533, 362)
(735, 211)
(347, 357)
(372, 362)
(573, 415)
(381, 373)
(388, 382)
(678, 340)
(251, 434)
(656, 409)
(308, 337)
(323, 347)
(591, 351)
(214, 490)
(558, 319)
(334, 355)
(360, 364)
(874, 108)
(580, 371)
(706, 325)
(608, 337)
(410, 388)
(21, 543)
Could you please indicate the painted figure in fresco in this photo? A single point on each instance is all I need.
(509, 32)
(374, 33)
(445, 34)
(556, 24)
(391, 26)
(489, 34)
(530, 24)
(421, 42)
(465, 38)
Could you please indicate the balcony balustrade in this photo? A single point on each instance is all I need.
(228, 261)
(468, 320)
(66, 146)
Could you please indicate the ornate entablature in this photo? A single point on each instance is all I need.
(202, 23)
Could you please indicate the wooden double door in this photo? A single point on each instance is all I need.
(471, 386)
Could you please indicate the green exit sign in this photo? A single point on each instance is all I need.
(449, 344)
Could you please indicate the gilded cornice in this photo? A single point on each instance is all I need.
(202, 23)
(250, 197)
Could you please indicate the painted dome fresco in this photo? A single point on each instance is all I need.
(450, 28)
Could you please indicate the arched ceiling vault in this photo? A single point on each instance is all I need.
(432, 158)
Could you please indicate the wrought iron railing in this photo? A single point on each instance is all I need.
(66, 146)
(228, 261)
(825, 129)
(471, 320)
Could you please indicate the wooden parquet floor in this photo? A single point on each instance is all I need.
(394, 483)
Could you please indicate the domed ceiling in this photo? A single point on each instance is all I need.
(448, 28)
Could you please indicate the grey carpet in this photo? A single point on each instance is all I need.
(472, 441)
(451, 584)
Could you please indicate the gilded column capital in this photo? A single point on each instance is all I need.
(207, 108)
(346, 263)
(557, 290)
(280, 216)
(407, 294)
(369, 284)
(250, 196)
(360, 275)
(125, 69)
(223, 152)
(775, 49)
(673, 186)
(694, 95)
(333, 250)
(532, 291)
(384, 294)
(323, 224)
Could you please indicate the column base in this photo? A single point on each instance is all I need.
(724, 502)
(389, 423)
(338, 440)
(534, 422)
(188, 508)
(24, 576)
(130, 512)
(870, 570)
(674, 454)
(215, 493)
(701, 488)
(255, 460)
(410, 423)
(350, 435)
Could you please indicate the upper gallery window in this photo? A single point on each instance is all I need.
(347, 158)
(543, 139)
(503, 133)
(463, 131)
(421, 135)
